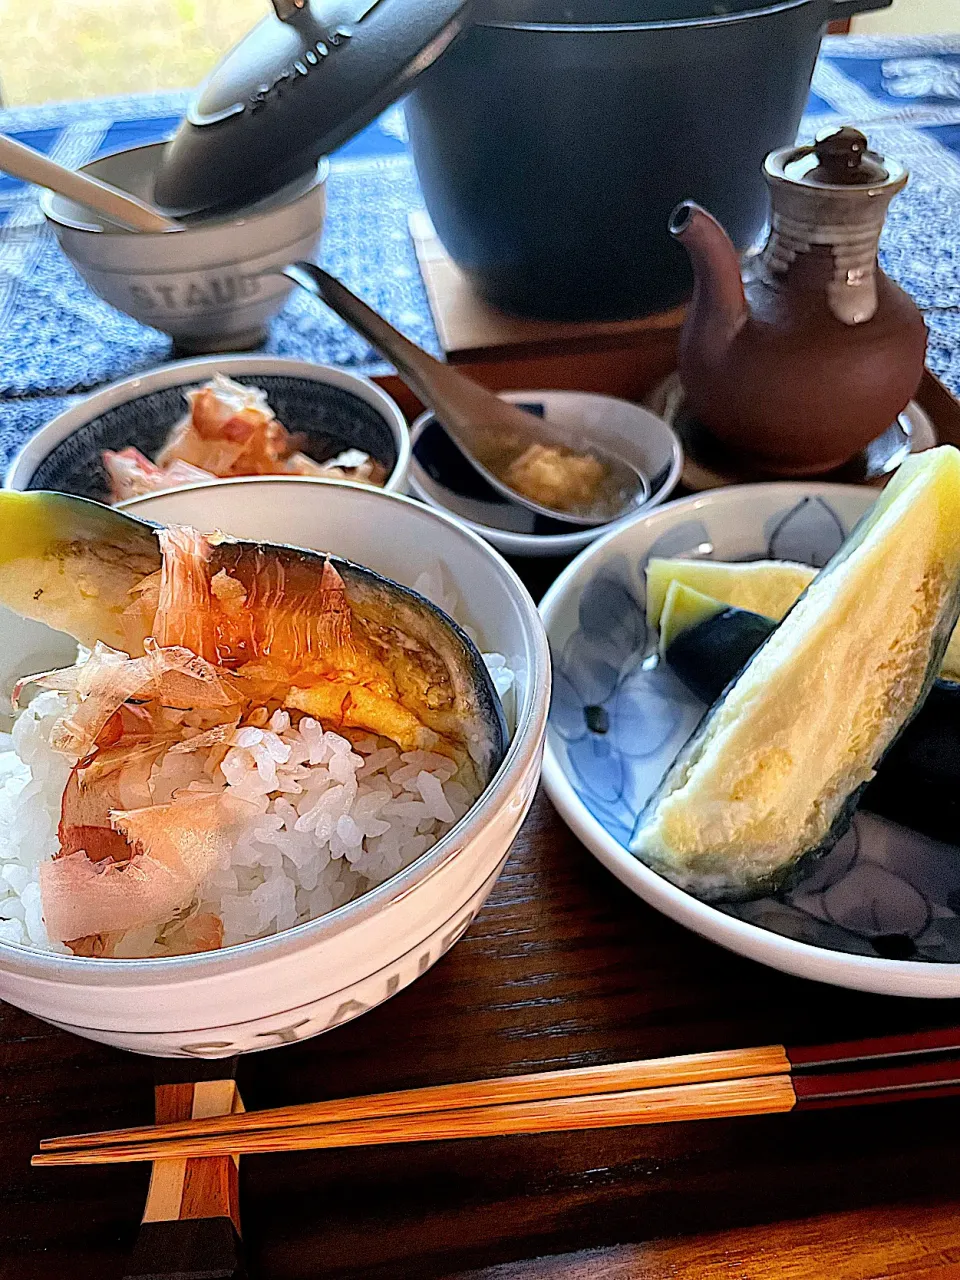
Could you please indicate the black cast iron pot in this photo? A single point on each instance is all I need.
(553, 139)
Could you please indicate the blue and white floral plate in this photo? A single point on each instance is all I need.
(882, 911)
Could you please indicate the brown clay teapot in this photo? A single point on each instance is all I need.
(813, 352)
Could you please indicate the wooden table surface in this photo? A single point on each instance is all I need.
(563, 967)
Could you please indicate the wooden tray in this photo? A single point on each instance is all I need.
(563, 967)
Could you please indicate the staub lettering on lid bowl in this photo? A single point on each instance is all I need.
(195, 293)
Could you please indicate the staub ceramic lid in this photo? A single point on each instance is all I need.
(303, 81)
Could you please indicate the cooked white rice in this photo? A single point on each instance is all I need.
(336, 818)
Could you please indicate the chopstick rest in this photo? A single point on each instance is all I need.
(191, 1223)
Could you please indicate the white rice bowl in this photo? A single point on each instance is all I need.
(301, 982)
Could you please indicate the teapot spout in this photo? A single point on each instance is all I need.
(718, 307)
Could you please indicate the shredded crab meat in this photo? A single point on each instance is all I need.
(230, 430)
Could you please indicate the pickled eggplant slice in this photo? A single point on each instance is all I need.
(332, 639)
(707, 643)
(290, 626)
(765, 587)
(64, 561)
(772, 775)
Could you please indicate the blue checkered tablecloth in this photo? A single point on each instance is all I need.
(58, 341)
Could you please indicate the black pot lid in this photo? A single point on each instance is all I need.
(304, 80)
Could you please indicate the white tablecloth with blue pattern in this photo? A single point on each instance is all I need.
(58, 341)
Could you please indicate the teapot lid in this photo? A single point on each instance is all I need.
(839, 157)
(303, 81)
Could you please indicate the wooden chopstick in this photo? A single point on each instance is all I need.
(693, 1068)
(760, 1095)
(655, 1091)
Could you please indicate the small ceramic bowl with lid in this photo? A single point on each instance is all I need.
(209, 286)
(442, 477)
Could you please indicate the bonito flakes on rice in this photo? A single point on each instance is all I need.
(333, 819)
(282, 745)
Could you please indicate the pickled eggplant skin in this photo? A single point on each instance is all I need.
(771, 777)
(72, 563)
(707, 643)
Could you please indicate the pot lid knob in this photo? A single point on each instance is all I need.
(840, 157)
(845, 159)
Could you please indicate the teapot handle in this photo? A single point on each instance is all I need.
(839, 9)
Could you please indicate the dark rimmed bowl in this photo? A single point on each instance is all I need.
(334, 409)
